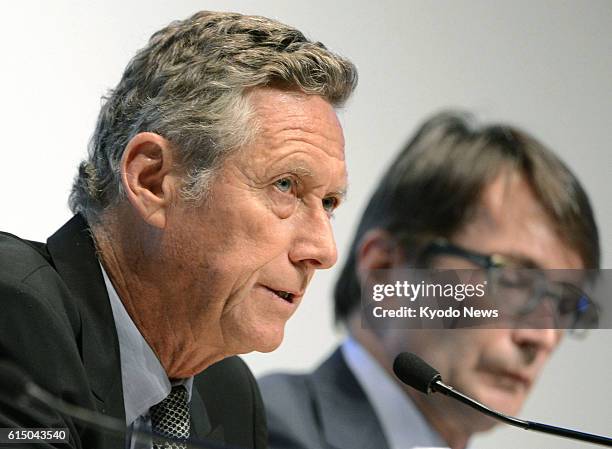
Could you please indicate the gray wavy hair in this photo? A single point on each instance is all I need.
(190, 84)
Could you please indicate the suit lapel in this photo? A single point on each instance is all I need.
(200, 422)
(347, 418)
(73, 254)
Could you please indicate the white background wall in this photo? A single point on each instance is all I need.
(543, 65)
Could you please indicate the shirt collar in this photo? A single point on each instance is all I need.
(402, 423)
(143, 378)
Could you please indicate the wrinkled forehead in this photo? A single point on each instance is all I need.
(277, 112)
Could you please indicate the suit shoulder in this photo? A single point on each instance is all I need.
(20, 258)
(31, 286)
(292, 411)
(283, 385)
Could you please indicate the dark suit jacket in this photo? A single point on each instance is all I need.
(56, 324)
(326, 409)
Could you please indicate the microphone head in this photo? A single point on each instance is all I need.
(13, 381)
(415, 372)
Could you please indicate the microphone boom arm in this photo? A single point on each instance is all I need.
(440, 387)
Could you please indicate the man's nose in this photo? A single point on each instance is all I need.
(533, 342)
(537, 331)
(314, 243)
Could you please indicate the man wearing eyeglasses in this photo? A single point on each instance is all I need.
(458, 196)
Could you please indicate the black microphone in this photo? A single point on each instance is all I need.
(416, 373)
(18, 388)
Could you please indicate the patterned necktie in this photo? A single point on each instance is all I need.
(170, 418)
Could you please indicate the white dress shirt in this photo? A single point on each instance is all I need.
(143, 378)
(403, 425)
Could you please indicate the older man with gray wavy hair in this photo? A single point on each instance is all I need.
(201, 214)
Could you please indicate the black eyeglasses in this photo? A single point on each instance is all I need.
(440, 247)
(523, 289)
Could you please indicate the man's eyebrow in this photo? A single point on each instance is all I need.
(521, 260)
(340, 193)
(301, 171)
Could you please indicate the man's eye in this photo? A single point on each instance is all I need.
(330, 203)
(284, 184)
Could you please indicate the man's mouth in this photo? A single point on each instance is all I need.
(511, 380)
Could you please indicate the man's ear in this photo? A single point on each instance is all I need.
(377, 250)
(147, 177)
